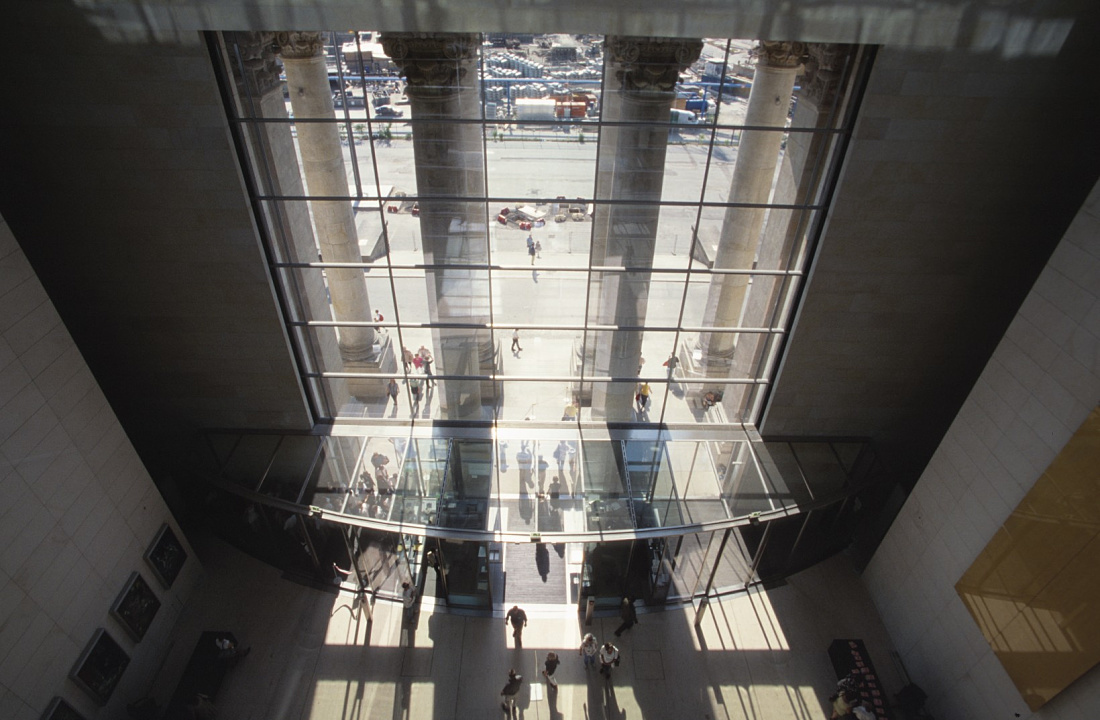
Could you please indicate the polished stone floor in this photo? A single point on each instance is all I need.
(317, 654)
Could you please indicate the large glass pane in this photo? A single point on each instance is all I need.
(543, 161)
(522, 297)
(822, 468)
(393, 154)
(784, 476)
(336, 477)
(250, 459)
(623, 195)
(296, 463)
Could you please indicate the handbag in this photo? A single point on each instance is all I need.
(616, 662)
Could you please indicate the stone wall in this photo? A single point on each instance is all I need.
(1040, 384)
(77, 512)
(121, 183)
(963, 174)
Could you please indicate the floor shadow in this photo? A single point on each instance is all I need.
(542, 561)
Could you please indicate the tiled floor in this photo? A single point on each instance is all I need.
(318, 655)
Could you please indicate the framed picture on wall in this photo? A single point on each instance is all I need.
(61, 710)
(100, 667)
(166, 556)
(136, 606)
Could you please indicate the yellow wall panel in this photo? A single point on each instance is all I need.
(1035, 590)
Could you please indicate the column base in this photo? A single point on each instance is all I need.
(382, 360)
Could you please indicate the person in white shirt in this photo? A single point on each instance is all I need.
(590, 650)
(609, 656)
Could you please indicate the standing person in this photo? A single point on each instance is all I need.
(531, 252)
(509, 692)
(408, 599)
(406, 358)
(609, 656)
(515, 341)
(671, 364)
(393, 389)
(530, 241)
(518, 620)
(590, 650)
(427, 356)
(538, 250)
(551, 664)
(629, 616)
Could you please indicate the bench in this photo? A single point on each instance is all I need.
(203, 675)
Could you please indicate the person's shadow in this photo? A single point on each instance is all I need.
(542, 561)
(429, 393)
(552, 703)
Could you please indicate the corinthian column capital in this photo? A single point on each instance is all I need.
(650, 63)
(299, 45)
(824, 71)
(433, 61)
(781, 54)
(258, 60)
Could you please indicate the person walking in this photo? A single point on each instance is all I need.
(408, 599)
(551, 665)
(589, 651)
(671, 364)
(509, 692)
(629, 616)
(406, 358)
(643, 396)
(393, 389)
(515, 341)
(609, 657)
(538, 250)
(427, 360)
(518, 619)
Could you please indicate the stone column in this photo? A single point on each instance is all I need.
(443, 90)
(640, 76)
(784, 234)
(260, 94)
(325, 175)
(777, 66)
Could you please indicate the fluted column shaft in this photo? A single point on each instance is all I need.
(640, 77)
(442, 87)
(325, 175)
(757, 158)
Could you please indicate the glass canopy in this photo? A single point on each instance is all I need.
(546, 482)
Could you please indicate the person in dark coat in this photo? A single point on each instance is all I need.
(552, 663)
(509, 692)
(629, 616)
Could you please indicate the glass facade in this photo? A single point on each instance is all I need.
(538, 288)
(551, 219)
